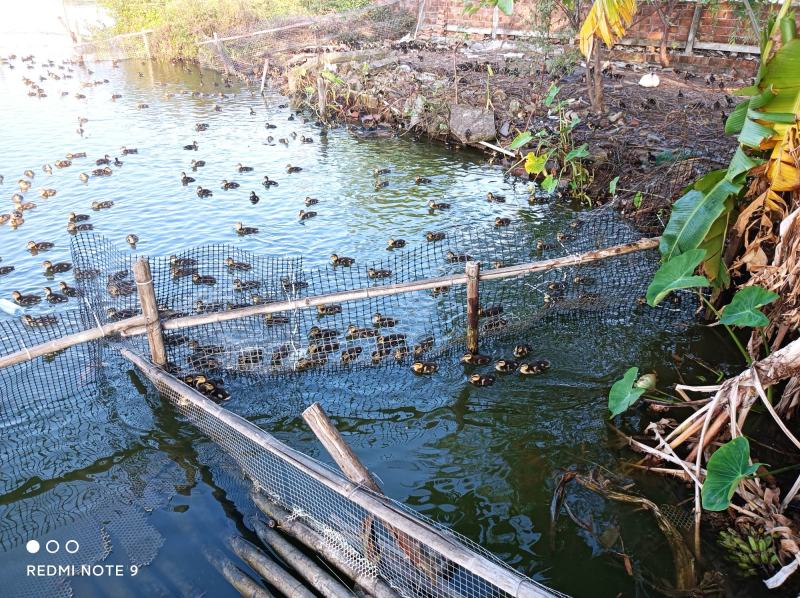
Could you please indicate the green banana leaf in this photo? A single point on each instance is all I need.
(675, 274)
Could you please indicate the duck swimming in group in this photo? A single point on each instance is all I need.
(25, 300)
(201, 192)
(54, 297)
(74, 228)
(267, 182)
(229, 184)
(254, 199)
(132, 240)
(58, 268)
(433, 205)
(241, 168)
(192, 146)
(341, 260)
(195, 164)
(433, 236)
(241, 229)
(303, 215)
(395, 243)
(84, 177)
(128, 150)
(102, 205)
(290, 169)
(186, 179)
(35, 247)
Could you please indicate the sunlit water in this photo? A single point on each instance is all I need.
(480, 460)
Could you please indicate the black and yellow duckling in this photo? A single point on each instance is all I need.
(379, 354)
(54, 297)
(390, 340)
(351, 354)
(280, 353)
(24, 185)
(541, 245)
(521, 350)
(46, 193)
(381, 321)
(289, 285)
(105, 171)
(47, 169)
(424, 367)
(195, 164)
(102, 205)
(304, 139)
(202, 192)
(29, 173)
(500, 222)
(25, 205)
(310, 201)
(51, 269)
(534, 368)
(132, 240)
(115, 315)
(244, 230)
(275, 319)
(481, 379)
(182, 272)
(453, 257)
(323, 347)
(192, 146)
(475, 359)
(381, 185)
(73, 217)
(201, 361)
(495, 323)
(283, 141)
(329, 310)
(492, 198)
(342, 260)
(181, 262)
(376, 273)
(68, 290)
(74, 228)
(564, 237)
(395, 243)
(195, 346)
(76, 155)
(117, 161)
(303, 215)
(381, 171)
(232, 264)
(291, 169)
(506, 366)
(104, 161)
(186, 179)
(306, 363)
(422, 180)
(268, 182)
(85, 274)
(63, 163)
(201, 127)
(204, 307)
(433, 205)
(249, 357)
(240, 285)
(433, 236)
(126, 151)
(424, 345)
(4, 218)
(35, 247)
(401, 352)
(16, 220)
(229, 184)
(39, 321)
(254, 199)
(354, 332)
(83, 177)
(6, 270)
(317, 333)
(205, 279)
(25, 300)
(121, 288)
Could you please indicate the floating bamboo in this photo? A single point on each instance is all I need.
(269, 570)
(147, 299)
(472, 270)
(241, 582)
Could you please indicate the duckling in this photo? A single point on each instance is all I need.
(422, 180)
(102, 205)
(270, 126)
(87, 274)
(244, 230)
(306, 363)
(495, 324)
(6, 270)
(329, 310)
(378, 273)
(310, 201)
(283, 140)
(303, 215)
(304, 139)
(293, 134)
(115, 315)
(73, 217)
(381, 171)
(275, 319)
(180, 262)
(185, 179)
(457, 257)
(438, 205)
(195, 164)
(353, 332)
(76, 155)
(54, 297)
(73, 228)
(45, 193)
(35, 247)
(241, 168)
(252, 112)
(534, 368)
(323, 347)
(229, 184)
(500, 222)
(102, 171)
(195, 346)
(475, 359)
(563, 237)
(24, 185)
(541, 245)
(28, 173)
(395, 243)
(245, 285)
(521, 350)
(390, 340)
(201, 127)
(254, 199)
(234, 265)
(179, 272)
(39, 321)
(126, 151)
(47, 168)
(117, 161)
(4, 218)
(381, 185)
(58, 268)
(492, 198)
(506, 365)
(351, 354)
(25, 205)
(424, 367)
(341, 260)
(63, 163)
(401, 353)
(25, 300)
(381, 321)
(16, 220)
(121, 288)
(203, 279)
(104, 161)
(379, 354)
(201, 192)
(424, 345)
(192, 146)
(267, 182)
(290, 169)
(433, 236)
(68, 290)
(481, 379)
(83, 177)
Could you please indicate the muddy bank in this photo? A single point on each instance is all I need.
(484, 93)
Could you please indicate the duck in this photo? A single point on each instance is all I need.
(84, 177)
(500, 222)
(562, 237)
(288, 284)
(424, 345)
(275, 320)
(24, 185)
(16, 220)
(342, 260)
(457, 257)
(310, 201)
(75, 156)
(506, 365)
(25, 300)
(201, 127)
(29, 173)
(6, 270)
(241, 168)
(58, 268)
(475, 359)
(63, 163)
(492, 198)
(35, 247)
(39, 321)
(195, 164)
(202, 192)
(270, 126)
(4, 218)
(381, 185)
(304, 139)
(381, 171)
(120, 288)
(329, 310)
(422, 180)
(283, 140)
(495, 324)
(45, 193)
(351, 354)
(25, 205)
(74, 228)
(54, 297)
(192, 146)
(541, 245)
(354, 332)
(290, 169)
(73, 217)
(234, 265)
(381, 321)
(521, 350)
(267, 182)
(102, 205)
(303, 215)
(378, 273)
(433, 236)
(229, 184)
(244, 230)
(185, 179)
(252, 112)
(424, 367)
(132, 240)
(438, 205)
(181, 262)
(390, 340)
(395, 243)
(104, 161)
(117, 161)
(106, 171)
(126, 151)
(245, 285)
(401, 353)
(534, 368)
(254, 199)
(323, 347)
(47, 168)
(68, 290)
(115, 315)
(481, 379)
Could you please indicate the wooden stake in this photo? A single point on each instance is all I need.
(322, 97)
(698, 11)
(472, 270)
(269, 569)
(264, 74)
(147, 299)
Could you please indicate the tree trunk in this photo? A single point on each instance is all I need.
(598, 103)
(664, 13)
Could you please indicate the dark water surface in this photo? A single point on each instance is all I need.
(480, 460)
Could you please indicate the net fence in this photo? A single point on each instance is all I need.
(128, 46)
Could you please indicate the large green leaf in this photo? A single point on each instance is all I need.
(677, 273)
(507, 6)
(743, 308)
(726, 468)
(520, 140)
(623, 393)
(714, 243)
(577, 153)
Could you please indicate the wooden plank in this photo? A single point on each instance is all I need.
(147, 299)
(472, 270)
(698, 11)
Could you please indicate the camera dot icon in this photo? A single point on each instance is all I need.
(32, 546)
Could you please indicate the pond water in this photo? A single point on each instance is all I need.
(480, 460)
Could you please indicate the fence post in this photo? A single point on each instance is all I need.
(147, 299)
(322, 97)
(698, 10)
(264, 74)
(472, 270)
(495, 21)
(146, 45)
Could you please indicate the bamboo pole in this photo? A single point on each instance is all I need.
(147, 299)
(241, 582)
(264, 74)
(322, 97)
(269, 570)
(383, 508)
(319, 579)
(313, 540)
(472, 270)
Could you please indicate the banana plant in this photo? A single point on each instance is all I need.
(607, 19)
